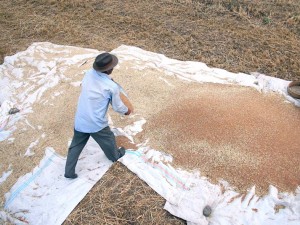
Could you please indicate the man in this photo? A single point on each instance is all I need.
(98, 91)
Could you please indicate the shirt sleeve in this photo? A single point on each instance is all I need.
(117, 103)
(121, 89)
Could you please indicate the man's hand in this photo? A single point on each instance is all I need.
(128, 112)
(126, 102)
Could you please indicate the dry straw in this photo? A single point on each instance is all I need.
(240, 36)
(120, 197)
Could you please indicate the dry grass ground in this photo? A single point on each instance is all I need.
(240, 36)
(119, 202)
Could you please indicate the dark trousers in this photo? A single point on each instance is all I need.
(106, 140)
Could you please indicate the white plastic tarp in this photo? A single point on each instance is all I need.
(44, 196)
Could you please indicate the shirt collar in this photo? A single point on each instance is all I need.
(102, 74)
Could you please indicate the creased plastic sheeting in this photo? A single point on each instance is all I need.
(187, 194)
(45, 196)
(200, 72)
(38, 69)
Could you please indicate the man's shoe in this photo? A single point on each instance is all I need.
(71, 177)
(121, 151)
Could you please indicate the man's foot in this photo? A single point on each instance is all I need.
(71, 177)
(121, 151)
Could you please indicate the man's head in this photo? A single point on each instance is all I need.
(105, 63)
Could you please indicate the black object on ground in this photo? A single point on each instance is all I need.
(13, 111)
(294, 89)
(207, 211)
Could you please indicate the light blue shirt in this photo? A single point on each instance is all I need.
(98, 91)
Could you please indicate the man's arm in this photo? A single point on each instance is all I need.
(126, 102)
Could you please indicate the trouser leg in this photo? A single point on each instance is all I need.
(78, 142)
(106, 139)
